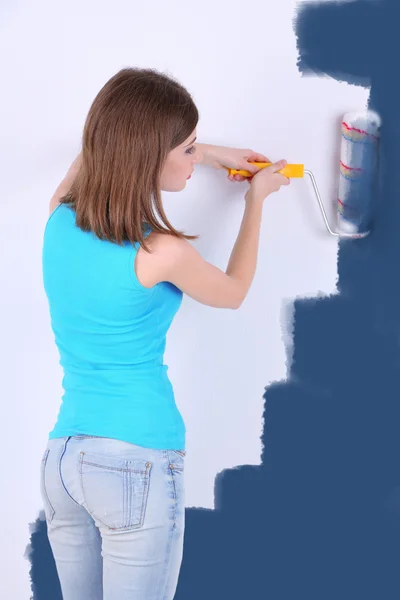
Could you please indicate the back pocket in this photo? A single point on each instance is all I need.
(115, 490)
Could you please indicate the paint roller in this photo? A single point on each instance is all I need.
(358, 174)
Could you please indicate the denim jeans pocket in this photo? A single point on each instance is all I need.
(115, 490)
(48, 508)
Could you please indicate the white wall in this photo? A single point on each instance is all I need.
(240, 66)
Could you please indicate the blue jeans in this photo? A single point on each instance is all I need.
(115, 517)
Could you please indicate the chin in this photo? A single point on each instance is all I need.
(180, 188)
(174, 188)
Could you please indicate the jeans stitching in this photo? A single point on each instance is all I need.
(63, 450)
(86, 462)
(126, 518)
(126, 472)
(172, 467)
(175, 495)
(180, 452)
(145, 494)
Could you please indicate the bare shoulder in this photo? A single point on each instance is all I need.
(165, 241)
(54, 203)
(166, 251)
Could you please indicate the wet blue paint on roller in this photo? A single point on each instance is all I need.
(358, 180)
(320, 519)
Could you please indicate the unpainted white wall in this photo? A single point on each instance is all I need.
(239, 62)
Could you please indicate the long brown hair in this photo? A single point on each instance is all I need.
(136, 119)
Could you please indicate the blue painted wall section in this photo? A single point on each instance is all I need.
(320, 518)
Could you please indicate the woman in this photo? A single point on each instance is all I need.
(114, 272)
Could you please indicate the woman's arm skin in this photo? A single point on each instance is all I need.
(177, 261)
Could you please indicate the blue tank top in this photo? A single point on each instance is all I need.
(111, 334)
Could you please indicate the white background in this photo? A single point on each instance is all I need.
(239, 63)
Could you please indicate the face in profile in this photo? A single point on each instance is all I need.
(179, 165)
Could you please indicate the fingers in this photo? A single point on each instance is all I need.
(247, 166)
(277, 166)
(253, 169)
(256, 157)
(237, 178)
(283, 179)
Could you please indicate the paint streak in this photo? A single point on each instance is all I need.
(320, 518)
(350, 168)
(45, 582)
(360, 131)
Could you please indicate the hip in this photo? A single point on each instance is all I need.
(112, 479)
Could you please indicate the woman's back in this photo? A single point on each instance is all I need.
(115, 508)
(110, 331)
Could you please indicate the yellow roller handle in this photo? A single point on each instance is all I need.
(287, 171)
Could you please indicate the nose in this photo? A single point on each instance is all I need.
(198, 157)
